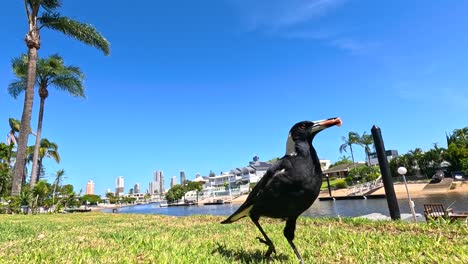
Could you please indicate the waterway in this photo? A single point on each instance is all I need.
(344, 208)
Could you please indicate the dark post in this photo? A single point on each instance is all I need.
(328, 184)
(386, 174)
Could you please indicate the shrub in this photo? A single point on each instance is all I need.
(341, 184)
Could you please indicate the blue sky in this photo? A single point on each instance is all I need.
(206, 85)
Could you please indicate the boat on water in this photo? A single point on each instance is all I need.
(186, 203)
(214, 202)
(163, 204)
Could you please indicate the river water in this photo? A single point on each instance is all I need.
(350, 208)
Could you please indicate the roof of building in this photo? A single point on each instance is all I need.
(260, 165)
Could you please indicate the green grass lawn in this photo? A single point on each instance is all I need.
(123, 238)
(333, 182)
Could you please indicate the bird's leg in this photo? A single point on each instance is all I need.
(295, 251)
(288, 232)
(266, 241)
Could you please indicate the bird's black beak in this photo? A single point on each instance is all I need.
(323, 124)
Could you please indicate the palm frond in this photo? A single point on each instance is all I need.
(20, 66)
(16, 87)
(80, 31)
(343, 147)
(54, 155)
(70, 84)
(14, 124)
(50, 5)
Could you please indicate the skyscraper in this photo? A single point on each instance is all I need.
(152, 187)
(173, 181)
(159, 181)
(182, 177)
(136, 188)
(90, 187)
(119, 186)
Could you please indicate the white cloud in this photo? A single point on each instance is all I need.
(443, 97)
(277, 15)
(353, 45)
(292, 19)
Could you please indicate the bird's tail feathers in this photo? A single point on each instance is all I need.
(237, 215)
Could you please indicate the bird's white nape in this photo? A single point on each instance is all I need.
(290, 146)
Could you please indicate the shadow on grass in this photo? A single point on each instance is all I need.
(246, 256)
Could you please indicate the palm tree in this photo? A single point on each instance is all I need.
(14, 128)
(47, 149)
(459, 136)
(353, 138)
(59, 175)
(49, 72)
(40, 193)
(12, 138)
(43, 14)
(366, 140)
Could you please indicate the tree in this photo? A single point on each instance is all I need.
(459, 137)
(457, 152)
(49, 72)
(43, 14)
(59, 175)
(352, 139)
(5, 179)
(430, 161)
(12, 138)
(47, 149)
(363, 173)
(406, 160)
(112, 198)
(342, 160)
(178, 191)
(91, 199)
(175, 193)
(14, 128)
(366, 140)
(41, 192)
(273, 160)
(69, 197)
(191, 185)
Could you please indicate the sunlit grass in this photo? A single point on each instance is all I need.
(125, 238)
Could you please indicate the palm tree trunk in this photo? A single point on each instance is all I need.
(39, 169)
(34, 170)
(53, 194)
(367, 149)
(25, 127)
(352, 154)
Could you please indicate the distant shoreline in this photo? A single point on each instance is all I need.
(415, 190)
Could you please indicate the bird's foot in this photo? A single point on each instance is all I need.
(271, 247)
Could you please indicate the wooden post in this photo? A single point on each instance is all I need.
(386, 174)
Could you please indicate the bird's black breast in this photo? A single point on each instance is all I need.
(290, 191)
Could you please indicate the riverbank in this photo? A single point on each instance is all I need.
(128, 238)
(415, 190)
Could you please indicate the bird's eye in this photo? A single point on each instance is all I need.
(302, 126)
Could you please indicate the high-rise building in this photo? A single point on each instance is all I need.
(119, 186)
(159, 179)
(90, 187)
(173, 181)
(136, 188)
(152, 189)
(182, 177)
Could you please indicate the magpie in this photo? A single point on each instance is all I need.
(290, 186)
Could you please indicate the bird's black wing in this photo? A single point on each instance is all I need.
(244, 209)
